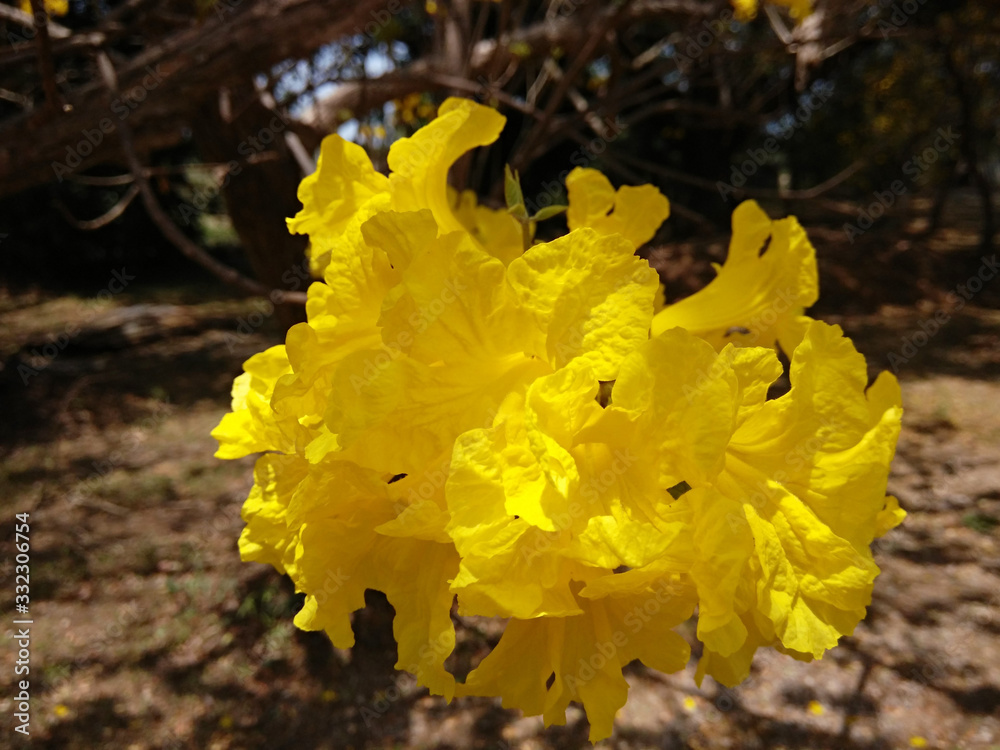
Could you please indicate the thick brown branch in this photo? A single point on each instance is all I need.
(169, 79)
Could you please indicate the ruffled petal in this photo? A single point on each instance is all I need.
(344, 181)
(421, 162)
(633, 212)
(335, 512)
(592, 296)
(251, 426)
(540, 665)
(759, 297)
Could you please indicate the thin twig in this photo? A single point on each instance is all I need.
(448, 81)
(705, 184)
(127, 179)
(46, 66)
(23, 52)
(676, 208)
(12, 96)
(601, 27)
(778, 26)
(104, 219)
(298, 150)
(27, 21)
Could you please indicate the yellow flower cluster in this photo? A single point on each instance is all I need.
(520, 430)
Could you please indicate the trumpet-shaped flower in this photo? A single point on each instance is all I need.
(635, 213)
(466, 419)
(761, 291)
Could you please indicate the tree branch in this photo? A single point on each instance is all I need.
(491, 55)
(104, 219)
(177, 72)
(188, 248)
(46, 66)
(27, 21)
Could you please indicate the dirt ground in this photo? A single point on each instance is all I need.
(150, 633)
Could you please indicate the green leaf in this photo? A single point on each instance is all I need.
(548, 212)
(513, 194)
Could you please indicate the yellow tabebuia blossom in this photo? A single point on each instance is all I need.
(633, 212)
(474, 423)
(784, 508)
(761, 291)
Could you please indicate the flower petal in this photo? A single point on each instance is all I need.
(592, 296)
(421, 162)
(541, 665)
(633, 212)
(760, 294)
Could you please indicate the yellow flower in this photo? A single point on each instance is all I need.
(496, 230)
(787, 494)
(463, 418)
(633, 212)
(52, 7)
(761, 291)
(542, 664)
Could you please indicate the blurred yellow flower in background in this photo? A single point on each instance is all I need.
(52, 7)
